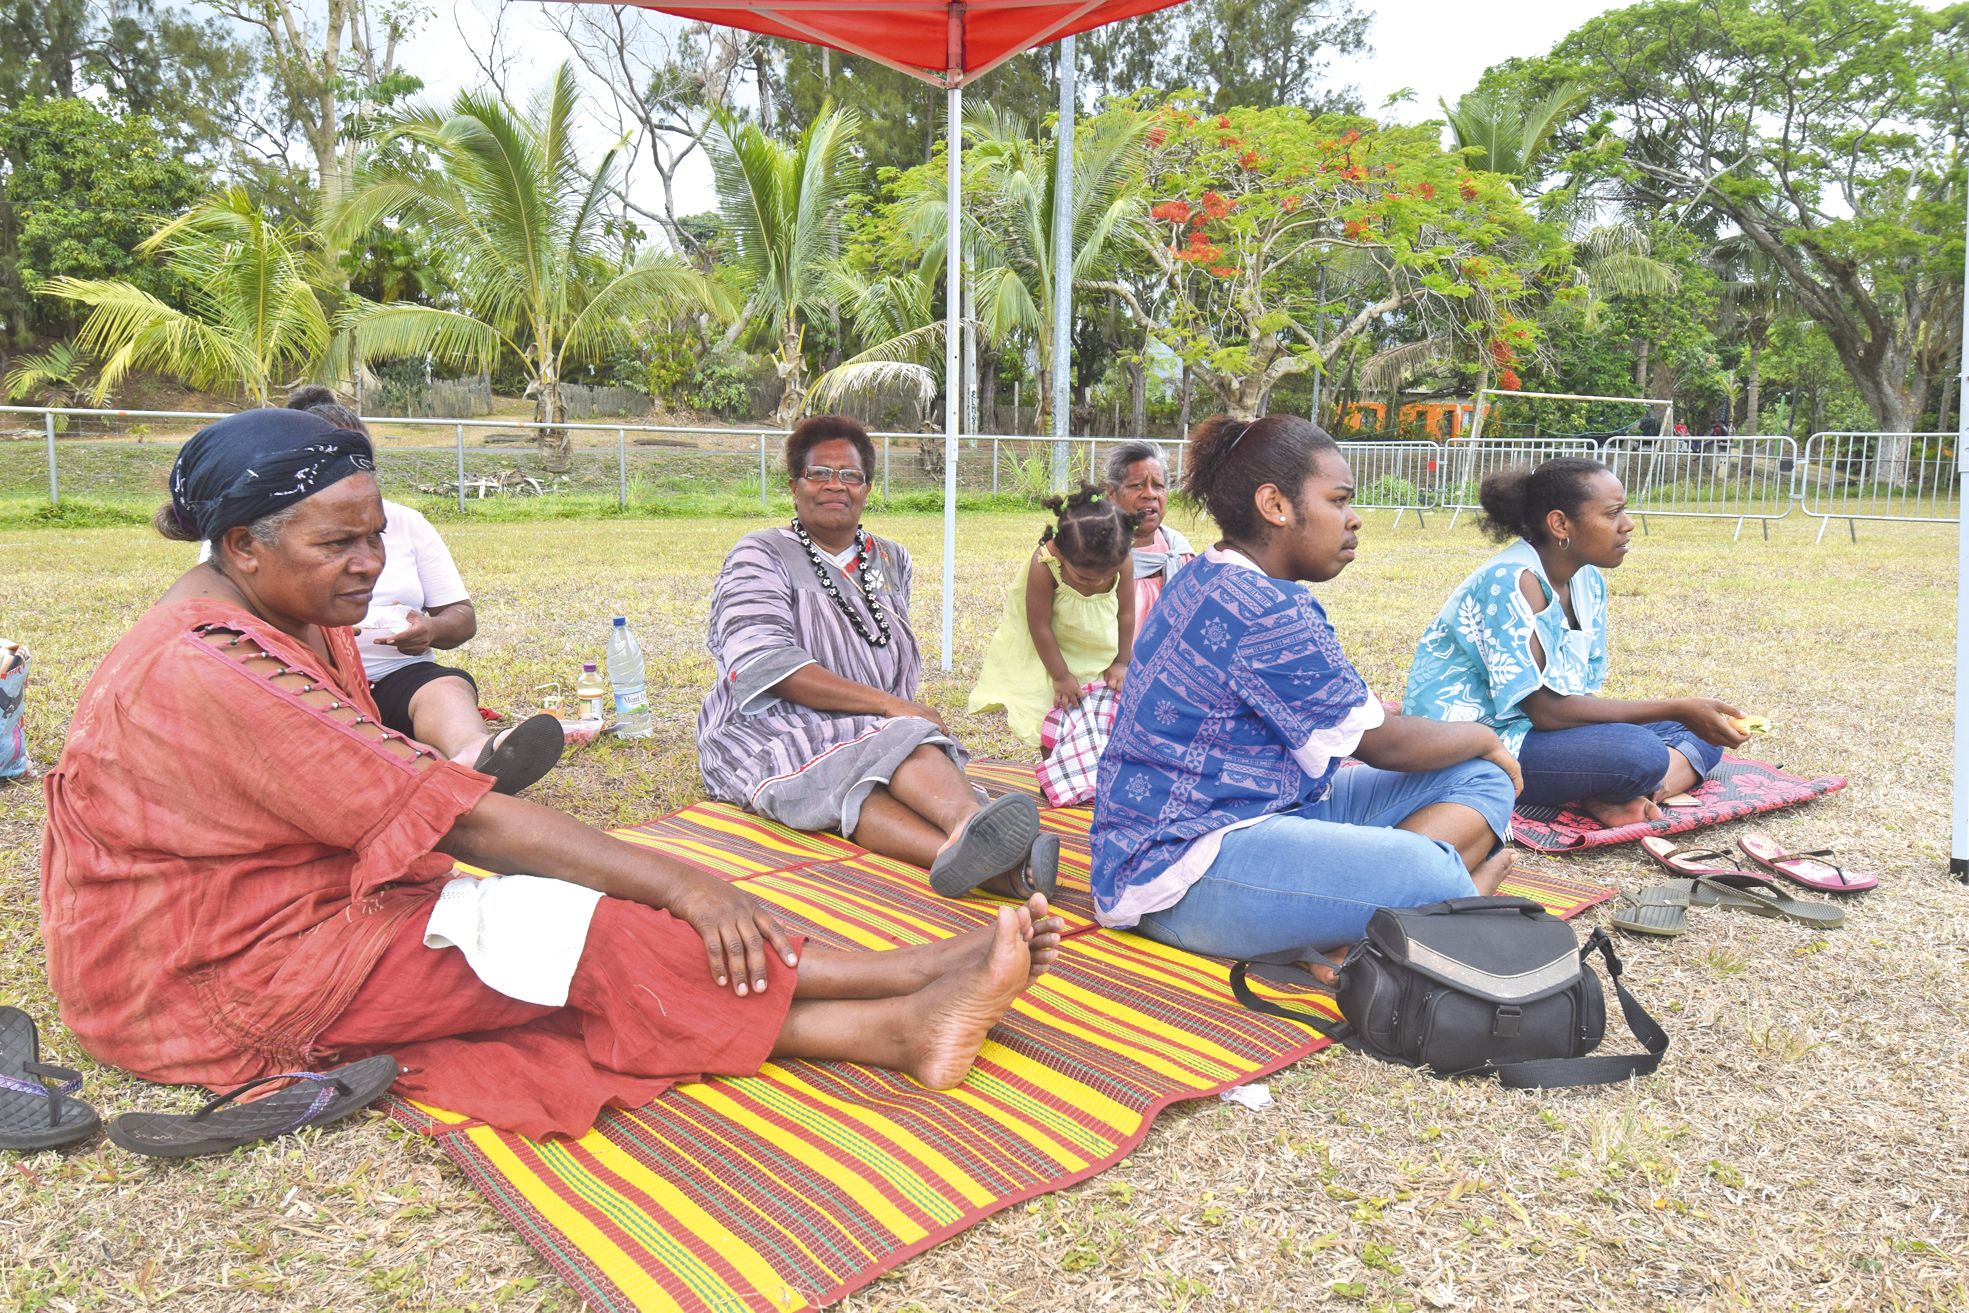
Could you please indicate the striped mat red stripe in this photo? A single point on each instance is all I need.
(795, 1187)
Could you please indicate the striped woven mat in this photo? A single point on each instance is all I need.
(795, 1187)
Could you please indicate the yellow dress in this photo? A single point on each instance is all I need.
(1086, 628)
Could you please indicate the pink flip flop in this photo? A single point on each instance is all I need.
(1805, 868)
(1697, 863)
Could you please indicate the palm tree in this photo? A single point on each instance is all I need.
(898, 314)
(1008, 233)
(253, 322)
(59, 374)
(783, 206)
(1505, 132)
(1755, 297)
(503, 196)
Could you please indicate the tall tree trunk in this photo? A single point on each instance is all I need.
(988, 394)
(1186, 388)
(1641, 367)
(762, 74)
(1948, 398)
(1138, 397)
(14, 306)
(1752, 391)
(550, 408)
(792, 369)
(1042, 374)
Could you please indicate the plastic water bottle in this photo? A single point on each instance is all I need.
(625, 676)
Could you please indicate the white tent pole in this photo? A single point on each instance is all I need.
(1959, 817)
(1063, 269)
(953, 257)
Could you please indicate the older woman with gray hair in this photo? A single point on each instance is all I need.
(1138, 480)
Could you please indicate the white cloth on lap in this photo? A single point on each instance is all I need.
(522, 934)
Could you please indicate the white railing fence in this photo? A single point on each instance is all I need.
(1904, 477)
(1739, 478)
(1851, 476)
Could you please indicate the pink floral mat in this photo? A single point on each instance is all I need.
(1740, 787)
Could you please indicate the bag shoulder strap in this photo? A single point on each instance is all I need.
(1340, 1032)
(1559, 1073)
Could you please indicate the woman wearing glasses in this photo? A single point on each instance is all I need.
(813, 720)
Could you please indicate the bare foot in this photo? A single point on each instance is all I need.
(961, 1009)
(471, 752)
(1038, 930)
(1491, 870)
(1042, 933)
(1613, 814)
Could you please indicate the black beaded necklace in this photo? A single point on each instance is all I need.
(863, 571)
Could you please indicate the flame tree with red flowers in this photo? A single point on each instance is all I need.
(1276, 241)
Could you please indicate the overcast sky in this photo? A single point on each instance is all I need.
(1437, 48)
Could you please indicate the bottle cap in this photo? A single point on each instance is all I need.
(621, 621)
(587, 667)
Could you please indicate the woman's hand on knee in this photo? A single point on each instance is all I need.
(903, 709)
(737, 930)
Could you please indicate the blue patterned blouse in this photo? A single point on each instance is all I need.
(1239, 704)
(1475, 661)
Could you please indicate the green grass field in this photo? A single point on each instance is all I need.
(1805, 1145)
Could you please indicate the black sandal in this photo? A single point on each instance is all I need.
(36, 1108)
(1040, 872)
(528, 751)
(316, 1099)
(998, 837)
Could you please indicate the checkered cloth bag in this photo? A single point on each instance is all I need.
(1074, 738)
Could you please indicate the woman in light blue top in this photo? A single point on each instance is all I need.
(1521, 646)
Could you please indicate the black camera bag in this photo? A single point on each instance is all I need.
(1477, 987)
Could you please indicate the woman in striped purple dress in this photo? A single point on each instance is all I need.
(814, 719)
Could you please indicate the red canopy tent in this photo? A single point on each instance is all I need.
(947, 43)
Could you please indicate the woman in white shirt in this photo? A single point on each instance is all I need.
(421, 606)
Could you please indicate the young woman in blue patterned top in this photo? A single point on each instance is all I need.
(1521, 646)
(1223, 822)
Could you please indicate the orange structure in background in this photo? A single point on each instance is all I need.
(1442, 420)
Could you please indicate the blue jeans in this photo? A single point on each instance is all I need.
(1307, 880)
(1607, 763)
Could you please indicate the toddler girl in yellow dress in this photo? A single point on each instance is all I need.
(1069, 616)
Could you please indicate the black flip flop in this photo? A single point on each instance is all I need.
(529, 750)
(998, 837)
(316, 1099)
(36, 1110)
(1041, 872)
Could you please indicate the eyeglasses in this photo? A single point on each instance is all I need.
(823, 474)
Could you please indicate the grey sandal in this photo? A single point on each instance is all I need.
(999, 836)
(1653, 912)
(1706, 891)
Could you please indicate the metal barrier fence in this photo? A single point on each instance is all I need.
(1850, 476)
(1465, 465)
(1736, 478)
(1396, 476)
(1906, 477)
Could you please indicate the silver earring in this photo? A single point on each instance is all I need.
(1565, 544)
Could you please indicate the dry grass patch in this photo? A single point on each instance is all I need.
(1806, 1144)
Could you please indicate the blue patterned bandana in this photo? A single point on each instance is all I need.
(253, 464)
